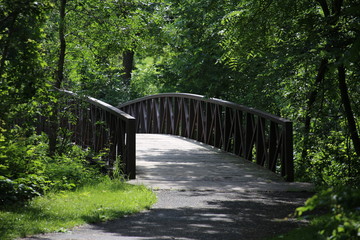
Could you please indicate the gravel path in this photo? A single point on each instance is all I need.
(203, 193)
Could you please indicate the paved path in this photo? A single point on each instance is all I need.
(177, 163)
(203, 193)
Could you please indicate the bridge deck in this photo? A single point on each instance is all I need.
(173, 162)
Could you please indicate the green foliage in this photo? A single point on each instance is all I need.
(21, 63)
(71, 169)
(26, 170)
(146, 77)
(23, 155)
(278, 47)
(191, 52)
(16, 191)
(118, 169)
(264, 54)
(341, 209)
(97, 35)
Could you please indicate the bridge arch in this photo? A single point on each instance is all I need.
(247, 132)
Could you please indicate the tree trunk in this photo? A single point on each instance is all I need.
(345, 99)
(6, 47)
(310, 103)
(54, 126)
(61, 62)
(128, 64)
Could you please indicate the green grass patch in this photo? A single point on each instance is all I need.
(57, 212)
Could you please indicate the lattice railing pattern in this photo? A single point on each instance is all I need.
(100, 126)
(249, 133)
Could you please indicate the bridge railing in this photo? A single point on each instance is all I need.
(249, 133)
(98, 125)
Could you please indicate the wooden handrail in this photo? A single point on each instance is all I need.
(252, 134)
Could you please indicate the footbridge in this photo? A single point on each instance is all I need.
(225, 164)
(250, 134)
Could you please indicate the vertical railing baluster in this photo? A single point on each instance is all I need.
(177, 118)
(170, 116)
(191, 120)
(288, 152)
(143, 115)
(199, 121)
(209, 120)
(183, 114)
(273, 145)
(228, 130)
(147, 109)
(217, 126)
(260, 141)
(249, 136)
(163, 109)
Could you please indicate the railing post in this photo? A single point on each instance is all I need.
(288, 152)
(209, 131)
(260, 142)
(249, 136)
(228, 136)
(131, 148)
(176, 119)
(183, 117)
(273, 143)
(191, 120)
(200, 122)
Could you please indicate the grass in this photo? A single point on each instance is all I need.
(57, 212)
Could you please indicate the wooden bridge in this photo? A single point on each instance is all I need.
(251, 134)
(225, 164)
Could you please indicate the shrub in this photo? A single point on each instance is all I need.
(341, 212)
(71, 169)
(13, 191)
(27, 170)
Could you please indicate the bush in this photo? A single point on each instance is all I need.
(27, 170)
(341, 212)
(15, 191)
(72, 169)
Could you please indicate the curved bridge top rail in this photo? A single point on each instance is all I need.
(249, 133)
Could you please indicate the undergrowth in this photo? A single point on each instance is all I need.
(334, 214)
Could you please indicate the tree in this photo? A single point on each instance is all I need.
(189, 61)
(311, 50)
(101, 38)
(21, 63)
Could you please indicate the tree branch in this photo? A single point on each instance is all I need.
(60, 70)
(336, 8)
(324, 7)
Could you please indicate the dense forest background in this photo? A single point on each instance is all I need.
(297, 59)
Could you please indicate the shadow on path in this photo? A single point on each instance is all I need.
(226, 216)
(211, 215)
